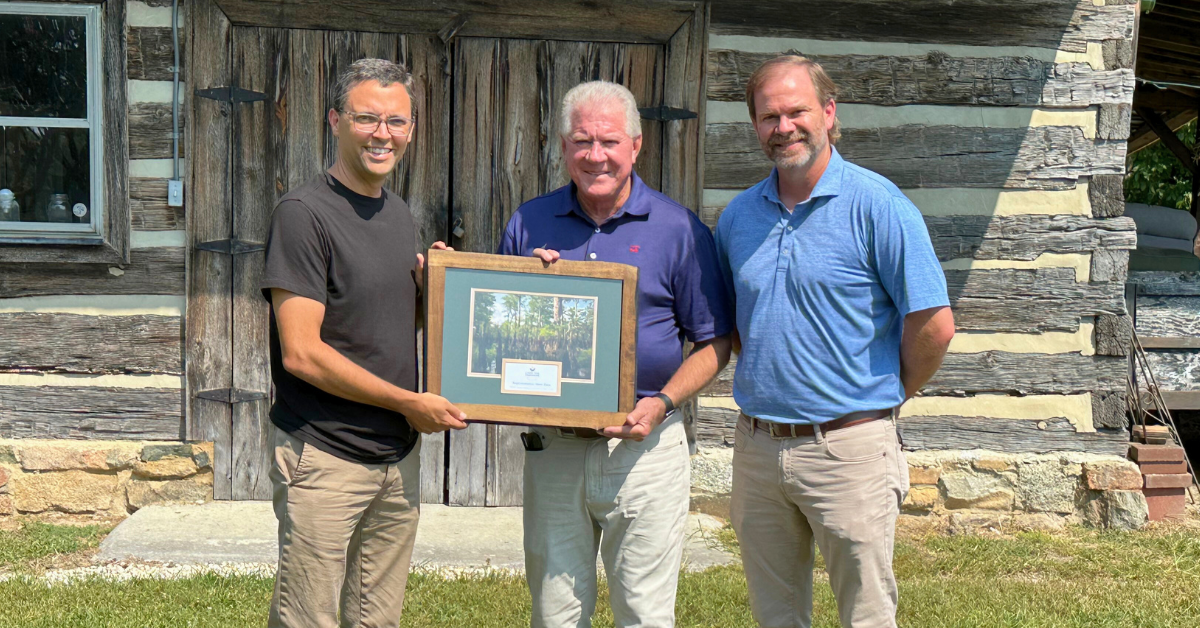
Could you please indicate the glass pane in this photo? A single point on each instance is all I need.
(47, 174)
(43, 66)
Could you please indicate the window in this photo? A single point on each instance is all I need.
(51, 178)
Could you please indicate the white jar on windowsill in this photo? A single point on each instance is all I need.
(10, 210)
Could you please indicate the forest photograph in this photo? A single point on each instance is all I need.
(531, 326)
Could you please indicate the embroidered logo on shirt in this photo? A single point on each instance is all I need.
(633, 248)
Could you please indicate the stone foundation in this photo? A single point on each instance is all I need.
(101, 477)
(971, 490)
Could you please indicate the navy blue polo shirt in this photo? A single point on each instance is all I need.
(680, 289)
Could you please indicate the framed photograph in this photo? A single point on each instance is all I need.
(515, 340)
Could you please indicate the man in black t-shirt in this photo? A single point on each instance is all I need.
(343, 276)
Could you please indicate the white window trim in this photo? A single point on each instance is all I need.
(69, 233)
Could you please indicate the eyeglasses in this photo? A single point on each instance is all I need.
(369, 123)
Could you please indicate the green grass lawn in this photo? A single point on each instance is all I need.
(1076, 578)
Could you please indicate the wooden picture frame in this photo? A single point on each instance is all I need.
(531, 408)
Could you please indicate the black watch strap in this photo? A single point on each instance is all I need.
(666, 400)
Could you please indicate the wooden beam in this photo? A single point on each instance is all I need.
(1008, 435)
(1026, 237)
(1026, 373)
(151, 53)
(1146, 137)
(90, 412)
(1170, 342)
(1028, 300)
(1166, 283)
(635, 21)
(149, 209)
(149, 271)
(1182, 399)
(1056, 24)
(73, 343)
(150, 130)
(1168, 137)
(936, 79)
(1046, 157)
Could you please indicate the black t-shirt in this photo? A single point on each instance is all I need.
(355, 254)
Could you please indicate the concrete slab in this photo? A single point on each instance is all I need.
(447, 537)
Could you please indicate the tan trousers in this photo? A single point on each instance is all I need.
(346, 533)
(626, 499)
(842, 489)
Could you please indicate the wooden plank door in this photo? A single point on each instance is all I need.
(250, 155)
(507, 151)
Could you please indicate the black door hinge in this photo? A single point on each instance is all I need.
(231, 246)
(231, 395)
(231, 94)
(663, 112)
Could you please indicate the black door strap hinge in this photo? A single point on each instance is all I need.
(231, 395)
(231, 94)
(663, 112)
(231, 246)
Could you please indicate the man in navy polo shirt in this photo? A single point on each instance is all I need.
(842, 314)
(624, 490)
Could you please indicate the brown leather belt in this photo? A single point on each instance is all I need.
(579, 432)
(791, 430)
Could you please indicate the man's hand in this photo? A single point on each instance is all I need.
(430, 413)
(548, 256)
(419, 271)
(646, 415)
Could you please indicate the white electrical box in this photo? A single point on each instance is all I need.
(175, 193)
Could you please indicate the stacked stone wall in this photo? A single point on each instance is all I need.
(101, 477)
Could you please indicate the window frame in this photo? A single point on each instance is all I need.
(105, 238)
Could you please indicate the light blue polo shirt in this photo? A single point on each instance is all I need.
(821, 293)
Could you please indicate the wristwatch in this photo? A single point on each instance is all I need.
(667, 401)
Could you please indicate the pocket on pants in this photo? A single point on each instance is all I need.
(741, 435)
(861, 443)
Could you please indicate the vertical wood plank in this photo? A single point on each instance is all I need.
(343, 48)
(561, 65)
(640, 68)
(208, 340)
(303, 102)
(683, 140)
(260, 177)
(116, 136)
(424, 174)
(467, 476)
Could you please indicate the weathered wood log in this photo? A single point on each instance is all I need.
(1117, 53)
(651, 21)
(1166, 283)
(1008, 435)
(715, 426)
(1110, 265)
(1109, 410)
(116, 147)
(87, 412)
(1168, 316)
(1106, 192)
(1113, 334)
(149, 209)
(1114, 120)
(1026, 237)
(1028, 300)
(151, 54)
(938, 79)
(912, 156)
(1056, 24)
(1026, 373)
(72, 343)
(426, 173)
(150, 130)
(149, 271)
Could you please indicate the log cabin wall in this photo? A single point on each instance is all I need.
(94, 351)
(1006, 124)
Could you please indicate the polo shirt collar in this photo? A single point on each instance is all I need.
(638, 203)
(830, 183)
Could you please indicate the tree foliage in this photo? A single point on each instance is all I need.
(1155, 176)
(544, 328)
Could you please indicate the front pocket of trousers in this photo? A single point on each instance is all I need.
(741, 435)
(854, 445)
(303, 462)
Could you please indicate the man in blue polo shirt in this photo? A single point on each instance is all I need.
(842, 315)
(624, 490)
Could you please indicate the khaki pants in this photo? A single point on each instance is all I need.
(842, 489)
(626, 499)
(346, 533)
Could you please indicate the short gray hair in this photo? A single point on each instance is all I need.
(594, 92)
(381, 70)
